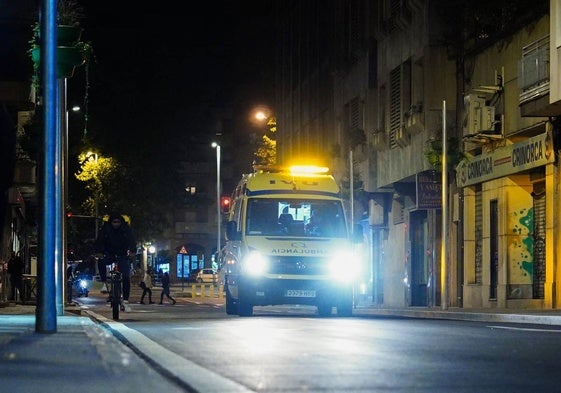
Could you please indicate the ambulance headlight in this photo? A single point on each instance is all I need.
(344, 267)
(255, 263)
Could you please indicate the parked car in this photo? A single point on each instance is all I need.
(207, 275)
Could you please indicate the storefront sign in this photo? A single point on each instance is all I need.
(531, 153)
(429, 190)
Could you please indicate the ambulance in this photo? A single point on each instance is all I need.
(288, 242)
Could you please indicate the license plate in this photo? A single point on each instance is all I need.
(300, 293)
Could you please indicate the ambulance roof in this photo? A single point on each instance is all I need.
(275, 180)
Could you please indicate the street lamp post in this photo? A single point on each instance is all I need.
(218, 215)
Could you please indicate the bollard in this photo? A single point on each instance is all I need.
(204, 291)
(196, 290)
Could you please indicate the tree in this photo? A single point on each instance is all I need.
(96, 171)
(433, 153)
(266, 153)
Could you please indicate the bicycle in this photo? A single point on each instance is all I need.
(117, 305)
(118, 280)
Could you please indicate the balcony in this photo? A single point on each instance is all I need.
(534, 80)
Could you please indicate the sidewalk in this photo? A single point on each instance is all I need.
(81, 356)
(537, 317)
(83, 350)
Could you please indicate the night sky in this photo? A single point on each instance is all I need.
(160, 70)
(162, 74)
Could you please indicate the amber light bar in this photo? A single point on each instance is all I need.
(308, 169)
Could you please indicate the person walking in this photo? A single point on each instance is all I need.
(165, 288)
(15, 269)
(146, 285)
(116, 243)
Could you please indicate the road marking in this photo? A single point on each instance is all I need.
(191, 374)
(525, 329)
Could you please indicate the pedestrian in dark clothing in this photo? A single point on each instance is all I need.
(146, 285)
(69, 282)
(15, 269)
(165, 289)
(8, 143)
(116, 243)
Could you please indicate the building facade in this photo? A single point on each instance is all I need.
(18, 182)
(378, 88)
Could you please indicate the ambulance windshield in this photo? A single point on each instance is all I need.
(302, 218)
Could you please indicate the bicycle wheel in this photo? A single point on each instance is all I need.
(115, 300)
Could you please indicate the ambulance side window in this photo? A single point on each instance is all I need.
(238, 214)
(233, 226)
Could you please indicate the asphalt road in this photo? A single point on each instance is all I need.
(293, 350)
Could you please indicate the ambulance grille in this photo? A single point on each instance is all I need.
(298, 265)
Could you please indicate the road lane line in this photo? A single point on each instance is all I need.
(168, 362)
(525, 329)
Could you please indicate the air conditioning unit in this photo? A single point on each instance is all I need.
(478, 116)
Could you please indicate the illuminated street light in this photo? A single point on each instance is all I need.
(218, 215)
(260, 115)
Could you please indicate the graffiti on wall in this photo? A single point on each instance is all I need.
(522, 244)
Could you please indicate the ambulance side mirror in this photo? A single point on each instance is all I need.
(232, 231)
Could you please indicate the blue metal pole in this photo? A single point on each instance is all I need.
(45, 321)
(59, 184)
(64, 199)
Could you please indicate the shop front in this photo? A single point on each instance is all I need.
(509, 212)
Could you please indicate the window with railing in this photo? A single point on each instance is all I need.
(533, 70)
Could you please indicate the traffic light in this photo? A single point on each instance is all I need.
(69, 214)
(225, 203)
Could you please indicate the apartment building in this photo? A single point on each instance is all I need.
(374, 88)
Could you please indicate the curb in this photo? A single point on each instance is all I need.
(475, 316)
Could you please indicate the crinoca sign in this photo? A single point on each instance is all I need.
(530, 153)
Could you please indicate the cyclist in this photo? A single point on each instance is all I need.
(116, 242)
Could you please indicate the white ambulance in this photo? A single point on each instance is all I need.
(287, 242)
